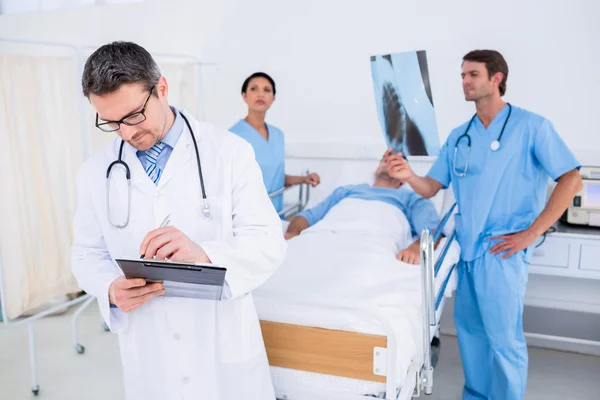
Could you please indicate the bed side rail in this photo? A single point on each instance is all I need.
(303, 197)
(430, 299)
(436, 235)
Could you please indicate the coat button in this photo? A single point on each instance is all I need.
(185, 380)
(176, 336)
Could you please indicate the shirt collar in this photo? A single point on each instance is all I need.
(174, 133)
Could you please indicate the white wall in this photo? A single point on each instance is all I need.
(159, 25)
(318, 53)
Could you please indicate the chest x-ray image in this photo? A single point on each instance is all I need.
(404, 103)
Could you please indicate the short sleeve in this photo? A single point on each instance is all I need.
(440, 170)
(552, 153)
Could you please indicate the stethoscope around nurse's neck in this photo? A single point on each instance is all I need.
(494, 146)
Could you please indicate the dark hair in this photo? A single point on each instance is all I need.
(116, 64)
(258, 75)
(494, 62)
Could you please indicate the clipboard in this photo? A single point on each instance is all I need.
(180, 279)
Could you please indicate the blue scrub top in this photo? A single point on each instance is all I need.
(270, 155)
(419, 212)
(503, 191)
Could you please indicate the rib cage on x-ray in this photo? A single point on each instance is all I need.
(400, 129)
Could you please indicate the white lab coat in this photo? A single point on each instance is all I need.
(178, 348)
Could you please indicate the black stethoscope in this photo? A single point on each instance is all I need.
(494, 146)
(119, 161)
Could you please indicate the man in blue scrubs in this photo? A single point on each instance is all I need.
(419, 212)
(498, 164)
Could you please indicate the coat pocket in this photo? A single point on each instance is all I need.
(240, 337)
(128, 347)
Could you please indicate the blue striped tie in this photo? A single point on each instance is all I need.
(152, 169)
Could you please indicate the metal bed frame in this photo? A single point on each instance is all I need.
(303, 197)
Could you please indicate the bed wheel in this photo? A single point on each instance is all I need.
(35, 390)
(79, 348)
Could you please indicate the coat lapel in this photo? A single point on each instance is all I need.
(139, 178)
(182, 154)
(143, 190)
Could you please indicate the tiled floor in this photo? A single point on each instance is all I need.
(96, 375)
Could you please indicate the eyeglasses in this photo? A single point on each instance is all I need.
(129, 120)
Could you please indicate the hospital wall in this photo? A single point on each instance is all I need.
(318, 52)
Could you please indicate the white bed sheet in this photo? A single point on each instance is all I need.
(325, 268)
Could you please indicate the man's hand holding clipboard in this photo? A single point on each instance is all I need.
(164, 243)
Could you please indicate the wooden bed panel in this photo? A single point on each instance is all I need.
(331, 352)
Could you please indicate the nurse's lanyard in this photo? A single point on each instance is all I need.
(494, 146)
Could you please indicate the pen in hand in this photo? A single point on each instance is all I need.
(165, 223)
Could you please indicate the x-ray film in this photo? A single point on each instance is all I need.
(405, 103)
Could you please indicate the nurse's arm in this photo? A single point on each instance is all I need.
(312, 179)
(425, 186)
(558, 161)
(568, 185)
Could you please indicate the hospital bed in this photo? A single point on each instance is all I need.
(373, 344)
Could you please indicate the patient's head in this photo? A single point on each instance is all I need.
(382, 177)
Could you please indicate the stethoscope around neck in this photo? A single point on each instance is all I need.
(119, 161)
(494, 146)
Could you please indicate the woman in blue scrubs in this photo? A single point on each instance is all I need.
(498, 164)
(267, 140)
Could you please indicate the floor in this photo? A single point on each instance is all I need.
(96, 375)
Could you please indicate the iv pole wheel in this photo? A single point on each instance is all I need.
(79, 348)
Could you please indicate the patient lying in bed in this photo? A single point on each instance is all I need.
(386, 211)
(347, 269)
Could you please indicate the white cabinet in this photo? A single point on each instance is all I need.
(567, 254)
(564, 273)
(590, 258)
(552, 253)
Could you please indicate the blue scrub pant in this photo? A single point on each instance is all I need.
(488, 315)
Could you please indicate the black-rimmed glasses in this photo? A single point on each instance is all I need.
(129, 120)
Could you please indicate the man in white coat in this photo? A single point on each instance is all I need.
(172, 347)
